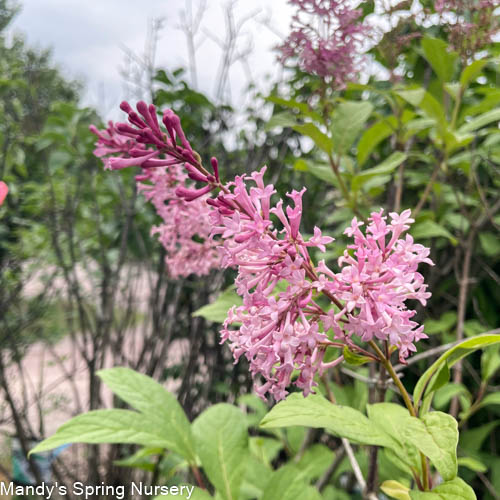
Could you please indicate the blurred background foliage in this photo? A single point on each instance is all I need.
(77, 261)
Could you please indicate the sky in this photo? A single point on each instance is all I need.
(88, 37)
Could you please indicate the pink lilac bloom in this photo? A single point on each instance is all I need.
(378, 275)
(326, 39)
(185, 230)
(281, 328)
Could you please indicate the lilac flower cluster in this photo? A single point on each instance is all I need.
(185, 228)
(326, 39)
(282, 328)
(471, 24)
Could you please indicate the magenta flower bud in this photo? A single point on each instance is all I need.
(195, 174)
(125, 106)
(124, 128)
(135, 119)
(173, 123)
(191, 194)
(215, 167)
(119, 163)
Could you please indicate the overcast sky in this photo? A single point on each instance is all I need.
(87, 39)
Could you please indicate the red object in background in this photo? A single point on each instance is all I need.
(4, 189)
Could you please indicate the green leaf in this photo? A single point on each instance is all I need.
(217, 311)
(471, 72)
(396, 490)
(354, 358)
(315, 461)
(490, 362)
(374, 136)
(288, 483)
(472, 440)
(445, 323)
(284, 119)
(428, 104)
(387, 166)
(430, 229)
(265, 448)
(348, 121)
(442, 61)
(490, 244)
(453, 89)
(197, 494)
(457, 489)
(451, 357)
(481, 121)
(321, 140)
(293, 104)
(436, 436)
(109, 426)
(392, 417)
(445, 394)
(315, 411)
(490, 399)
(149, 397)
(472, 464)
(322, 171)
(222, 444)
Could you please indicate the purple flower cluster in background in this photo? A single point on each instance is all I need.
(471, 24)
(325, 39)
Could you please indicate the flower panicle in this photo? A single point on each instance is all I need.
(281, 327)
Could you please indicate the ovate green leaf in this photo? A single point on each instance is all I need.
(149, 397)
(386, 167)
(316, 411)
(436, 436)
(348, 121)
(439, 57)
(222, 443)
(109, 426)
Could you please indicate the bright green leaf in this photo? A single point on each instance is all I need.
(109, 426)
(396, 490)
(374, 136)
(353, 358)
(391, 418)
(440, 58)
(481, 121)
(436, 436)
(348, 121)
(457, 489)
(149, 397)
(315, 411)
(387, 166)
(451, 356)
(222, 444)
(490, 362)
(430, 229)
(471, 72)
(217, 311)
(321, 140)
(288, 483)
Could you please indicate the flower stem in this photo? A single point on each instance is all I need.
(406, 397)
